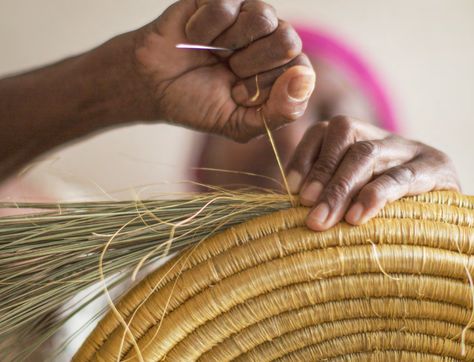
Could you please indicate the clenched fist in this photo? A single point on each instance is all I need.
(264, 75)
(142, 76)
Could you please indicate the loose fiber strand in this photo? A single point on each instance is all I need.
(109, 298)
(158, 283)
(469, 323)
(377, 260)
(257, 92)
(168, 243)
(277, 157)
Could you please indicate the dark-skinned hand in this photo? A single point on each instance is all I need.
(214, 92)
(142, 76)
(347, 169)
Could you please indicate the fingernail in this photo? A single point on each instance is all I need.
(354, 215)
(301, 87)
(294, 181)
(311, 193)
(240, 93)
(319, 215)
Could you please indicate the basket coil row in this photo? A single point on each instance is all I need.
(394, 289)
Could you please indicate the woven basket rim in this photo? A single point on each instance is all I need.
(417, 249)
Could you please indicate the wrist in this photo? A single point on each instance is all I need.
(114, 90)
(44, 108)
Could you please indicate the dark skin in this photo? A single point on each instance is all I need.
(351, 168)
(142, 76)
(348, 169)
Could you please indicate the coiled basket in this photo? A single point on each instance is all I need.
(396, 289)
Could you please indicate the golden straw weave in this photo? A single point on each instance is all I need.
(395, 289)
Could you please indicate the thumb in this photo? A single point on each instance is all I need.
(289, 95)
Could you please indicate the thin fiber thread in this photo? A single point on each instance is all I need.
(255, 282)
(277, 158)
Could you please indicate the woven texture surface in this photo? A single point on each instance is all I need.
(395, 289)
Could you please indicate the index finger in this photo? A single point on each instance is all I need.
(256, 20)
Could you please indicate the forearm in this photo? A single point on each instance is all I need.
(47, 107)
(142, 76)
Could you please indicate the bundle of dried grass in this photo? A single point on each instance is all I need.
(397, 288)
(48, 257)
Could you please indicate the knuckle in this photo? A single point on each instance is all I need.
(343, 123)
(261, 24)
(322, 170)
(264, 20)
(363, 150)
(405, 174)
(435, 156)
(445, 170)
(288, 40)
(315, 130)
(325, 166)
(223, 10)
(338, 190)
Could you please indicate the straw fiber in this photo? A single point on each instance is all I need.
(395, 289)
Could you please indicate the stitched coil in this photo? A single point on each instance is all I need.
(396, 288)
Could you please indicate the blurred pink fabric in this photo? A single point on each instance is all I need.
(320, 44)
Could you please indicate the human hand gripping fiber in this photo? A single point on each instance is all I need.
(142, 76)
(223, 92)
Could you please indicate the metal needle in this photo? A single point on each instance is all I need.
(201, 47)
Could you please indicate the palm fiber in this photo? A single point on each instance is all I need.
(395, 289)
